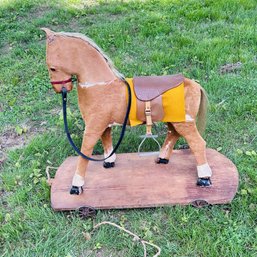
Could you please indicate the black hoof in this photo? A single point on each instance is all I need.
(108, 165)
(203, 182)
(76, 190)
(162, 161)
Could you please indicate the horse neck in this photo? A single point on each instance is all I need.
(93, 68)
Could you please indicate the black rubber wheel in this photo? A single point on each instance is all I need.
(199, 203)
(86, 212)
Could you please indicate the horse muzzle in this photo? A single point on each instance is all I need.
(58, 85)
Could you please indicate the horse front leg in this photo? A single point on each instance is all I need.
(168, 145)
(198, 147)
(88, 143)
(108, 148)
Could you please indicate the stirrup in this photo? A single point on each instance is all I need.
(151, 136)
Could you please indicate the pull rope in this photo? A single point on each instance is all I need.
(135, 237)
(64, 107)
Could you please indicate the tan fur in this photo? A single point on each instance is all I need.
(101, 105)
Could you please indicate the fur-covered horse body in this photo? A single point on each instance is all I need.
(102, 102)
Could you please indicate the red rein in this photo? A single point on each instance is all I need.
(61, 82)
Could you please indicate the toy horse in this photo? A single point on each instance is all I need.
(102, 97)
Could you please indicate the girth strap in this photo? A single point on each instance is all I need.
(149, 123)
(148, 116)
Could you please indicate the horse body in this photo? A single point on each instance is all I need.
(102, 102)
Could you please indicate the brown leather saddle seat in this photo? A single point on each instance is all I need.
(148, 88)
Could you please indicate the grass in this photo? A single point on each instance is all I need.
(141, 37)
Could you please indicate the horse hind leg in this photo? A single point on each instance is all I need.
(198, 147)
(108, 148)
(168, 145)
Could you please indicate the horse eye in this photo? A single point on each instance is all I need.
(52, 69)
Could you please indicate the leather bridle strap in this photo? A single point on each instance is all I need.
(61, 82)
(64, 106)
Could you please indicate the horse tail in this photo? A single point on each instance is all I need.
(202, 113)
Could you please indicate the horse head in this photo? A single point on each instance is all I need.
(70, 54)
(59, 61)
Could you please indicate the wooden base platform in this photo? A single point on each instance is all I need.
(138, 182)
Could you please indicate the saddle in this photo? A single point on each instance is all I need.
(148, 91)
(148, 88)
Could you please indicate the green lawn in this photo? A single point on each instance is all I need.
(195, 37)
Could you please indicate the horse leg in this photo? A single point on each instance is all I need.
(198, 147)
(108, 148)
(167, 147)
(88, 143)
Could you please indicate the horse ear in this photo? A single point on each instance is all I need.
(47, 31)
(50, 35)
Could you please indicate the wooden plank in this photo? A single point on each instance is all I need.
(138, 182)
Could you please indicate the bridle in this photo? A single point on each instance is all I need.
(61, 82)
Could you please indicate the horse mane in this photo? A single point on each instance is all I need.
(94, 45)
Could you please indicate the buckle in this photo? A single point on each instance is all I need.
(148, 112)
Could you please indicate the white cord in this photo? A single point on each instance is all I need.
(135, 237)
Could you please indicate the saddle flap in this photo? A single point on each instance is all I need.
(149, 87)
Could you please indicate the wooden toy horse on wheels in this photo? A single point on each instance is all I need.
(103, 98)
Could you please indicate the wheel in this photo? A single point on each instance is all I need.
(199, 203)
(87, 212)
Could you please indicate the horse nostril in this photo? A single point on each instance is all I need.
(52, 69)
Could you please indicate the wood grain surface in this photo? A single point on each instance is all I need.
(138, 182)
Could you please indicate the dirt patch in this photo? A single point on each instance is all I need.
(39, 11)
(103, 252)
(34, 13)
(2, 157)
(5, 49)
(230, 67)
(11, 140)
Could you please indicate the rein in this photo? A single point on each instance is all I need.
(64, 107)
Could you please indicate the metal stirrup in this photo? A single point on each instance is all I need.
(151, 136)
